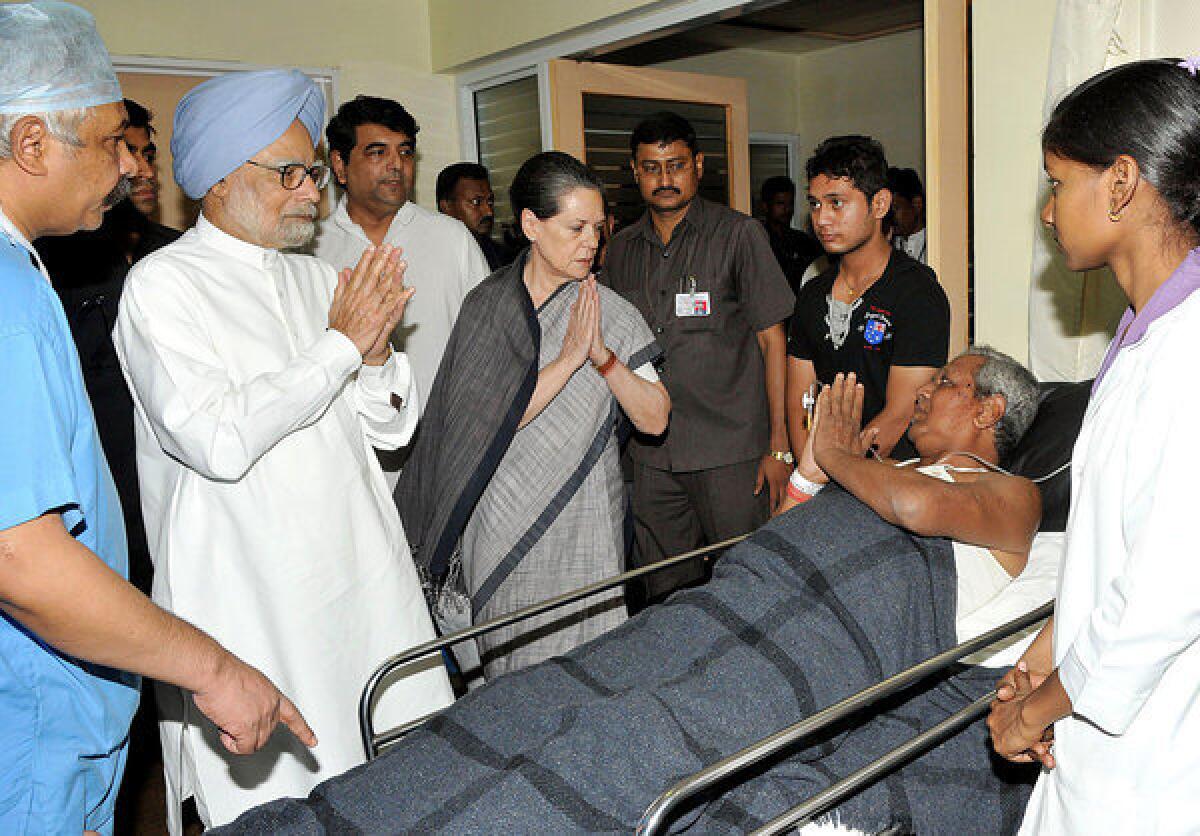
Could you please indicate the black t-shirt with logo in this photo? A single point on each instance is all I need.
(902, 320)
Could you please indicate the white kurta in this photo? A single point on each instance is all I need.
(268, 517)
(444, 264)
(1128, 612)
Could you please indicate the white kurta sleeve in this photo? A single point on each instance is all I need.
(388, 422)
(200, 416)
(1150, 612)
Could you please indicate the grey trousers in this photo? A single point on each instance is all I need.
(678, 512)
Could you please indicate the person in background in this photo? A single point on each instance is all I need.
(88, 271)
(908, 212)
(1107, 697)
(875, 312)
(794, 248)
(704, 278)
(372, 149)
(262, 379)
(464, 191)
(73, 631)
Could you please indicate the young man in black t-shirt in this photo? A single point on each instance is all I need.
(877, 312)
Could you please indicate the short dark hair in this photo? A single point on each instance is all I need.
(448, 177)
(544, 178)
(663, 128)
(905, 182)
(1149, 110)
(367, 110)
(777, 185)
(139, 117)
(859, 159)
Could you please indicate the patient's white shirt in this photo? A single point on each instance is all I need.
(988, 596)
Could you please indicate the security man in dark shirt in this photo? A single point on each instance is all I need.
(705, 279)
(464, 191)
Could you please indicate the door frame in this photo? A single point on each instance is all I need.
(948, 217)
(570, 80)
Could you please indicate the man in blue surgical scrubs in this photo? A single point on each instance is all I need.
(70, 625)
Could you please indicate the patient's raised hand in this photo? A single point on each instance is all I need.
(838, 426)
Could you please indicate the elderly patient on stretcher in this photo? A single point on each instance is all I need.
(888, 565)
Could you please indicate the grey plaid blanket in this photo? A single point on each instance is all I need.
(816, 605)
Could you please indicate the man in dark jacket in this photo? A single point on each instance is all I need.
(88, 270)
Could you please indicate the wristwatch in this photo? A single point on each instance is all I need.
(784, 456)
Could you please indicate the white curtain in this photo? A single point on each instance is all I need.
(1072, 316)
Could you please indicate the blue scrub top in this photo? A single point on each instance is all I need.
(64, 724)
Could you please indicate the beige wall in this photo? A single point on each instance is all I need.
(1011, 50)
(462, 31)
(1011, 46)
(377, 46)
(815, 95)
(1175, 28)
(875, 87)
(771, 78)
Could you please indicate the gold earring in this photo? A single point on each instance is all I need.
(1114, 215)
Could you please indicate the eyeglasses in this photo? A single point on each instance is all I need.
(291, 175)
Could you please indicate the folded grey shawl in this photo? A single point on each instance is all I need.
(815, 606)
(484, 382)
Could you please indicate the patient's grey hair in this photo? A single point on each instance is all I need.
(1002, 375)
(63, 125)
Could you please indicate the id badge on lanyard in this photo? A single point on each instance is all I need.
(689, 302)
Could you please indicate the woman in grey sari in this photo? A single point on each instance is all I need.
(547, 364)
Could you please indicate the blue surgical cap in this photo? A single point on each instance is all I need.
(52, 58)
(227, 120)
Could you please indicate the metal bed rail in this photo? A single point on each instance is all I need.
(837, 793)
(656, 815)
(373, 742)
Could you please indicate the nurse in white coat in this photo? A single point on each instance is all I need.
(261, 382)
(1107, 698)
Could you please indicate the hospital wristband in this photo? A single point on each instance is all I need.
(800, 489)
(796, 495)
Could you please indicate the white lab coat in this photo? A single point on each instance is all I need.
(1128, 611)
(268, 517)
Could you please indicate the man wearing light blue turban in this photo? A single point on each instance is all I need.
(226, 121)
(263, 379)
(64, 723)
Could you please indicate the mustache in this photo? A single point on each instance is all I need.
(666, 190)
(120, 191)
(306, 212)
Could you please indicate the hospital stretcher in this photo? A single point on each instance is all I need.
(658, 814)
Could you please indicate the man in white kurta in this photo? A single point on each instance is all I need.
(372, 144)
(268, 516)
(1128, 610)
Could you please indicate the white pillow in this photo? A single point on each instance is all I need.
(1036, 585)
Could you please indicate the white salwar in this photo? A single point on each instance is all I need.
(1128, 611)
(268, 517)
